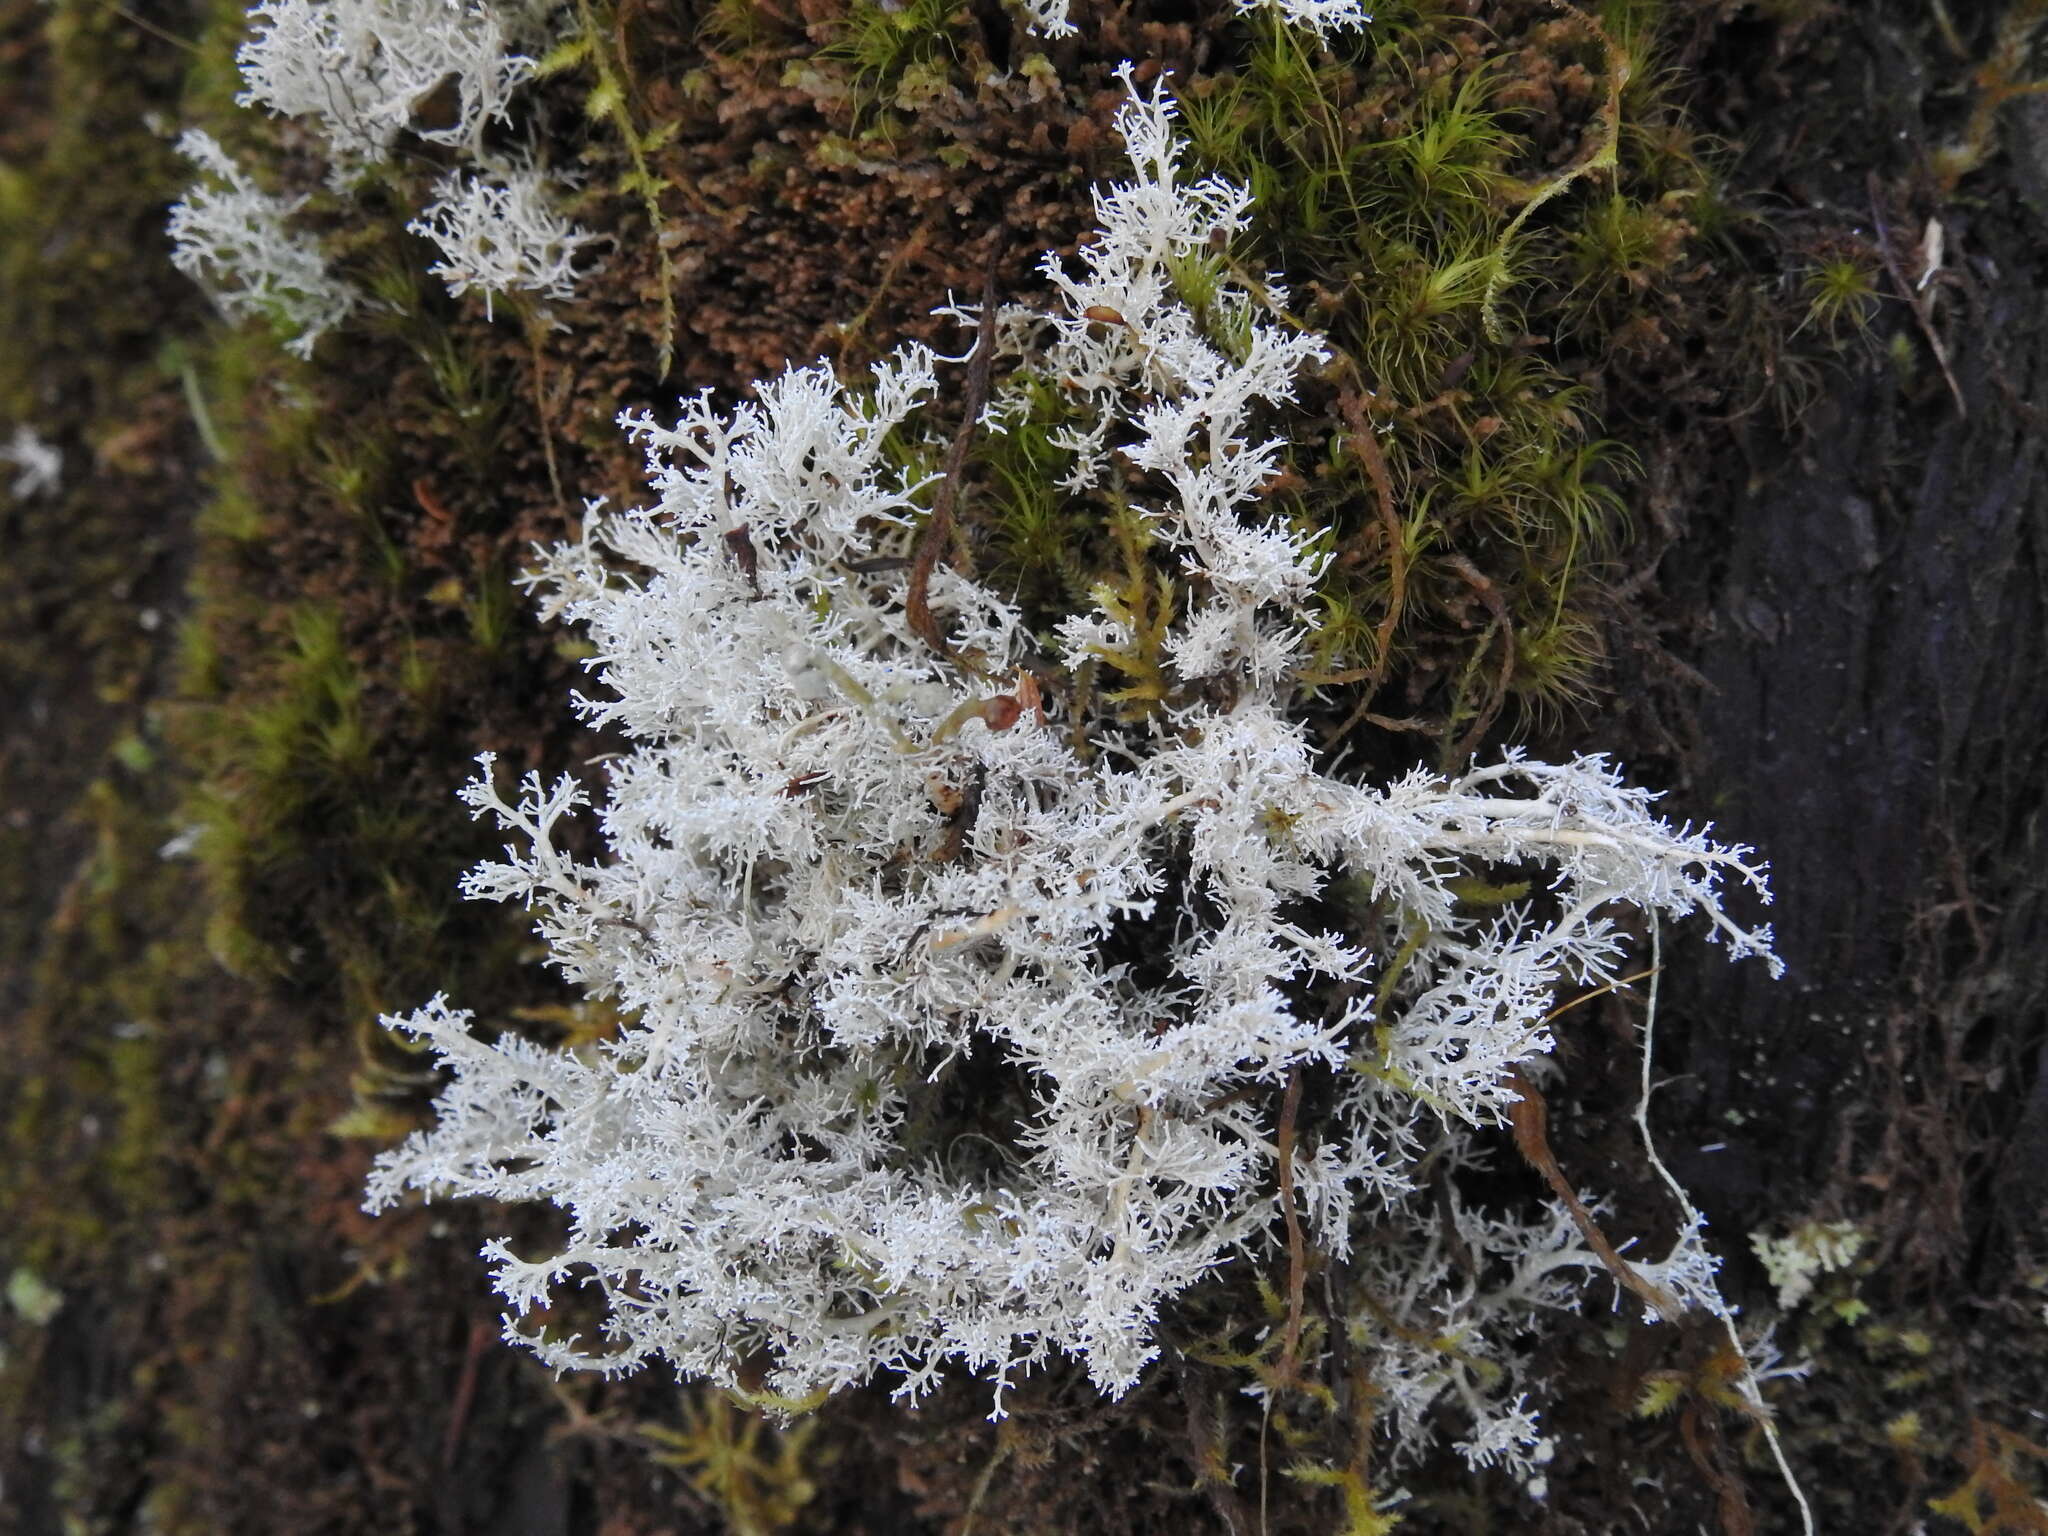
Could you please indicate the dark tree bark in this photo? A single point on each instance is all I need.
(1878, 691)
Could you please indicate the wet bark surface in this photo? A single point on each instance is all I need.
(1876, 655)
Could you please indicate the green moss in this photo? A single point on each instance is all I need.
(1841, 295)
(1040, 538)
(757, 1477)
(596, 50)
(1455, 309)
(891, 55)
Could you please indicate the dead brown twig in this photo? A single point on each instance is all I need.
(1529, 1116)
(1366, 445)
(1502, 624)
(465, 1392)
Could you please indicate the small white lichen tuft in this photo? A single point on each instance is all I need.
(1796, 1261)
(498, 233)
(38, 465)
(1322, 17)
(230, 237)
(362, 69)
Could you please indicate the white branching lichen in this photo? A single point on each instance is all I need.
(230, 236)
(1322, 17)
(954, 1030)
(38, 465)
(363, 69)
(498, 233)
(1796, 1261)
